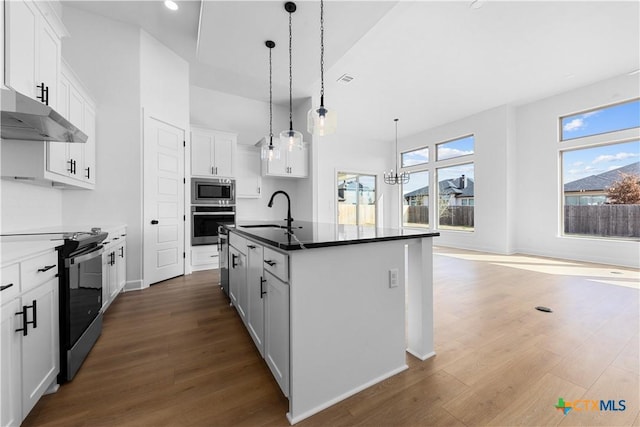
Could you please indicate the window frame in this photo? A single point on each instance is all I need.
(604, 139)
(431, 167)
(590, 110)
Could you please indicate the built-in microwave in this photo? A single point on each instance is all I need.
(213, 191)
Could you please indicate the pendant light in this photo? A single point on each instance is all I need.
(290, 138)
(321, 120)
(269, 151)
(395, 178)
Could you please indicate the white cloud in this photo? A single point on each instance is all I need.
(577, 164)
(448, 153)
(614, 157)
(574, 125)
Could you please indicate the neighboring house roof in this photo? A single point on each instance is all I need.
(447, 186)
(603, 181)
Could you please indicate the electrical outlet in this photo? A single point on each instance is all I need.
(393, 278)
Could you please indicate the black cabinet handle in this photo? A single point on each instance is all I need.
(44, 93)
(121, 251)
(3, 287)
(46, 268)
(251, 246)
(262, 291)
(154, 221)
(113, 258)
(234, 264)
(269, 262)
(88, 169)
(34, 322)
(70, 161)
(24, 321)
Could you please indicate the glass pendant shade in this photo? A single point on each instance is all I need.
(269, 151)
(291, 139)
(322, 121)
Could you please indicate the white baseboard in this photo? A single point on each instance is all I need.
(420, 356)
(133, 285)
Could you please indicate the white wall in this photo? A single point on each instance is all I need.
(249, 119)
(105, 54)
(538, 200)
(28, 206)
(494, 146)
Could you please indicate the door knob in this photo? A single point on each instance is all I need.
(154, 221)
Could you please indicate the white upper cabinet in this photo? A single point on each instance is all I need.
(248, 178)
(212, 153)
(291, 164)
(33, 49)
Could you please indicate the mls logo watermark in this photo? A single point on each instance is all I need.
(590, 405)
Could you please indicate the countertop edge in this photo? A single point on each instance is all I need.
(294, 246)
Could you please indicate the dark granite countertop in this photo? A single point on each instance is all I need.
(309, 235)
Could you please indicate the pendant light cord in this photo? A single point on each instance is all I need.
(396, 153)
(322, 53)
(270, 102)
(290, 80)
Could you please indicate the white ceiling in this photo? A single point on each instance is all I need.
(426, 62)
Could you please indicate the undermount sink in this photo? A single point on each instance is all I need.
(267, 226)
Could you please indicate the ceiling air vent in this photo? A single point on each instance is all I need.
(345, 79)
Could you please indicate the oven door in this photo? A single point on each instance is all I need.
(84, 292)
(204, 225)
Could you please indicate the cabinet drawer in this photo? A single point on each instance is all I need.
(240, 243)
(276, 264)
(38, 270)
(199, 257)
(10, 283)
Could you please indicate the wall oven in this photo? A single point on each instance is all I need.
(213, 191)
(206, 221)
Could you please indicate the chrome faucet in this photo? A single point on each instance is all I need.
(289, 219)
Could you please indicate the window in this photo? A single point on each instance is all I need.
(604, 120)
(456, 148)
(590, 207)
(356, 199)
(456, 197)
(415, 157)
(415, 201)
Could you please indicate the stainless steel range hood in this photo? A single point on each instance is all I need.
(26, 119)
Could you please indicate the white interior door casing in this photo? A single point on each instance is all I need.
(163, 201)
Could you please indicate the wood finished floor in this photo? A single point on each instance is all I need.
(178, 355)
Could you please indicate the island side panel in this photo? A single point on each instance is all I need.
(420, 298)
(347, 323)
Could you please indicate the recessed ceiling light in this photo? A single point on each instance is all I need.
(476, 4)
(171, 5)
(634, 72)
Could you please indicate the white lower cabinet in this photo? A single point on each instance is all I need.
(40, 357)
(259, 289)
(114, 267)
(29, 333)
(255, 295)
(276, 337)
(238, 281)
(10, 369)
(204, 257)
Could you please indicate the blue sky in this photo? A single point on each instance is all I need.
(578, 164)
(617, 117)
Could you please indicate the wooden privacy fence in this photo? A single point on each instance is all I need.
(347, 214)
(603, 220)
(416, 214)
(458, 216)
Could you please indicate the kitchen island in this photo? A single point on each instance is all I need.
(338, 317)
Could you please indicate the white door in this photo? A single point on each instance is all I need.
(163, 201)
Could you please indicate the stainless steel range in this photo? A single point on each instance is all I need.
(80, 270)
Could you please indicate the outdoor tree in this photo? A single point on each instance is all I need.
(626, 190)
